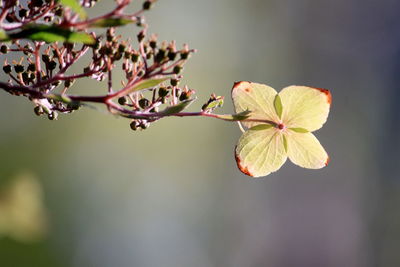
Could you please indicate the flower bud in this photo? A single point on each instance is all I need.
(153, 44)
(144, 125)
(52, 65)
(46, 58)
(140, 73)
(58, 12)
(177, 69)
(174, 82)
(18, 68)
(135, 57)
(122, 100)
(52, 116)
(144, 103)
(162, 92)
(160, 55)
(7, 69)
(38, 110)
(184, 96)
(121, 48)
(32, 67)
(133, 125)
(3, 49)
(147, 5)
(118, 56)
(141, 36)
(184, 55)
(69, 83)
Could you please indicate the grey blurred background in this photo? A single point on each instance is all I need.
(172, 195)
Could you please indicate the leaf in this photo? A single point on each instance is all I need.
(299, 130)
(177, 108)
(278, 106)
(4, 36)
(50, 34)
(75, 6)
(110, 22)
(213, 103)
(141, 86)
(235, 117)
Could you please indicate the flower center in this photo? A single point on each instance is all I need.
(280, 126)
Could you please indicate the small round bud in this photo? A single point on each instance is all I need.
(147, 5)
(140, 36)
(184, 55)
(162, 92)
(10, 18)
(38, 110)
(140, 73)
(52, 65)
(46, 58)
(18, 68)
(144, 103)
(110, 35)
(122, 100)
(37, 3)
(184, 96)
(32, 67)
(144, 125)
(109, 51)
(135, 57)
(171, 55)
(139, 21)
(174, 82)
(56, 83)
(121, 48)
(3, 49)
(160, 55)
(177, 69)
(133, 125)
(58, 12)
(127, 55)
(23, 13)
(7, 69)
(25, 76)
(48, 18)
(96, 45)
(118, 56)
(69, 83)
(153, 44)
(52, 116)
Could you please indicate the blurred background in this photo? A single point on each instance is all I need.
(87, 191)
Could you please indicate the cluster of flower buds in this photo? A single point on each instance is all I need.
(51, 36)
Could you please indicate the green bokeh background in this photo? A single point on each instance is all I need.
(172, 195)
